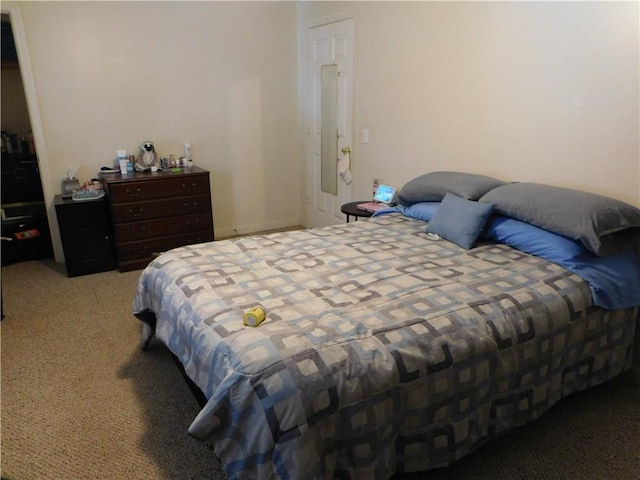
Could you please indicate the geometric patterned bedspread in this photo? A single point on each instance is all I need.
(382, 351)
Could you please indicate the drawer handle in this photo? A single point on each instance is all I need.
(190, 206)
(134, 193)
(189, 187)
(133, 213)
(139, 231)
(140, 249)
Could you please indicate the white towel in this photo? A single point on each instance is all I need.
(344, 166)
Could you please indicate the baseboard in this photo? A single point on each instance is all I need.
(241, 230)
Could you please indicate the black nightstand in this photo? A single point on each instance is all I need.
(86, 236)
(351, 210)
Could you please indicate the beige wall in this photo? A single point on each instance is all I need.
(528, 91)
(524, 91)
(220, 75)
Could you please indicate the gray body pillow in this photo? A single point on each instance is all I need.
(604, 225)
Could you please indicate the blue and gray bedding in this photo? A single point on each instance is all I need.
(382, 351)
(614, 280)
(591, 235)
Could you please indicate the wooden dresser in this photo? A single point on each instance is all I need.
(154, 212)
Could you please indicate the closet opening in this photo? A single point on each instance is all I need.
(25, 228)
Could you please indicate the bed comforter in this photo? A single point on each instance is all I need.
(382, 351)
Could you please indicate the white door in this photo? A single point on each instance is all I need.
(330, 44)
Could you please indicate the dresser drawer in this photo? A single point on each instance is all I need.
(90, 257)
(82, 222)
(159, 188)
(153, 247)
(134, 212)
(128, 232)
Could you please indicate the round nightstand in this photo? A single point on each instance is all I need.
(351, 210)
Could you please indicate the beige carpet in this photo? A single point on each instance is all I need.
(81, 401)
(79, 398)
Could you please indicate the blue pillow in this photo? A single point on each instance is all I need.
(603, 225)
(614, 280)
(460, 221)
(533, 240)
(420, 211)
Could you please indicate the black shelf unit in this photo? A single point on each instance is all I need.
(85, 231)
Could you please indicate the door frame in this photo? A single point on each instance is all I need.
(307, 121)
(12, 8)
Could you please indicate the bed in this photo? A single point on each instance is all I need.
(403, 342)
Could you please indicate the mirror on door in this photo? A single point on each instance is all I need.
(329, 129)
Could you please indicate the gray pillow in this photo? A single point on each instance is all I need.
(433, 186)
(604, 225)
(460, 221)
